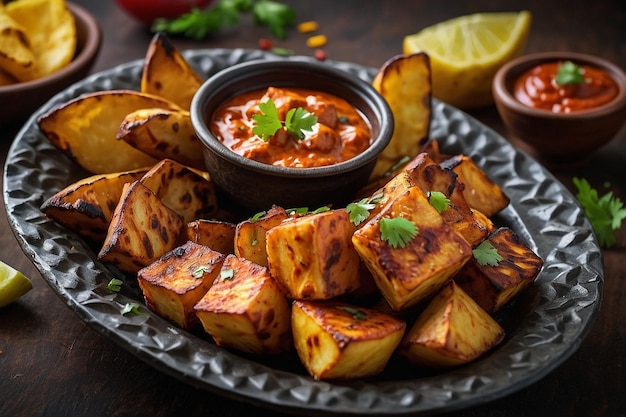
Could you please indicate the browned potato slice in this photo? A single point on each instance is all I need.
(166, 73)
(250, 235)
(341, 341)
(87, 206)
(217, 235)
(312, 256)
(452, 330)
(85, 127)
(174, 283)
(409, 275)
(246, 310)
(404, 81)
(188, 192)
(16, 56)
(493, 286)
(163, 133)
(481, 192)
(142, 230)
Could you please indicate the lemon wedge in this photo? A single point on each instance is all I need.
(13, 284)
(467, 51)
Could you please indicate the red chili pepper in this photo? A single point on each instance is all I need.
(320, 55)
(265, 44)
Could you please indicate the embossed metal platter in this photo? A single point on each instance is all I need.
(545, 325)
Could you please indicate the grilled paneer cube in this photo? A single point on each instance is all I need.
(218, 235)
(481, 192)
(340, 341)
(493, 285)
(245, 309)
(174, 283)
(408, 275)
(250, 235)
(451, 331)
(188, 192)
(312, 256)
(142, 230)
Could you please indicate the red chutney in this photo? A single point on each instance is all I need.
(537, 88)
(340, 133)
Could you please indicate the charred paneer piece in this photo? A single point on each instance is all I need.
(493, 286)
(452, 330)
(341, 341)
(407, 275)
(217, 235)
(174, 283)
(312, 256)
(246, 309)
(250, 235)
(142, 230)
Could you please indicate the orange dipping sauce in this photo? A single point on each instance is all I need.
(340, 133)
(537, 88)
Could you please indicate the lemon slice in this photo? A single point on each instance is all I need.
(13, 284)
(467, 51)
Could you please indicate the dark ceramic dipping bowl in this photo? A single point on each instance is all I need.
(258, 186)
(560, 138)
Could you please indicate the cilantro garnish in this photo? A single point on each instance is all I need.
(132, 308)
(115, 285)
(356, 313)
(301, 211)
(486, 254)
(199, 272)
(397, 231)
(198, 24)
(227, 273)
(438, 200)
(605, 213)
(569, 73)
(257, 216)
(297, 121)
(360, 210)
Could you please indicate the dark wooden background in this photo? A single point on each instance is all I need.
(52, 364)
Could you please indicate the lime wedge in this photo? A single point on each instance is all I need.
(13, 284)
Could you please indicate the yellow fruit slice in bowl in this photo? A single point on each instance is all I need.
(13, 284)
(467, 51)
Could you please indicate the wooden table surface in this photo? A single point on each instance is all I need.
(52, 364)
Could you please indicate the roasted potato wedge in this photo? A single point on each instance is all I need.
(217, 235)
(246, 310)
(405, 82)
(167, 74)
(163, 134)
(16, 57)
(87, 206)
(340, 341)
(173, 284)
(452, 330)
(142, 230)
(85, 127)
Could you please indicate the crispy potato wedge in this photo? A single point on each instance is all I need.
(246, 310)
(216, 234)
(87, 206)
(173, 284)
(188, 192)
(340, 341)
(85, 127)
(167, 74)
(16, 56)
(142, 230)
(51, 32)
(452, 330)
(405, 82)
(163, 133)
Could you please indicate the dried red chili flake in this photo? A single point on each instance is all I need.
(265, 44)
(320, 55)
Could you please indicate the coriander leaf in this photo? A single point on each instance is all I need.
(267, 122)
(397, 231)
(438, 200)
(199, 272)
(257, 216)
(605, 213)
(360, 210)
(356, 313)
(227, 273)
(115, 285)
(569, 73)
(486, 254)
(276, 16)
(297, 121)
(321, 210)
(131, 308)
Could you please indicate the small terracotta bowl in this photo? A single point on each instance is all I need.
(258, 186)
(559, 138)
(19, 101)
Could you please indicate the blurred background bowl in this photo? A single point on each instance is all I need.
(559, 138)
(19, 101)
(258, 186)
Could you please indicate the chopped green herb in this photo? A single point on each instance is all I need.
(438, 200)
(297, 121)
(199, 272)
(569, 73)
(605, 213)
(397, 231)
(359, 211)
(132, 308)
(343, 119)
(356, 313)
(297, 210)
(115, 285)
(282, 51)
(486, 254)
(227, 273)
(320, 210)
(257, 216)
